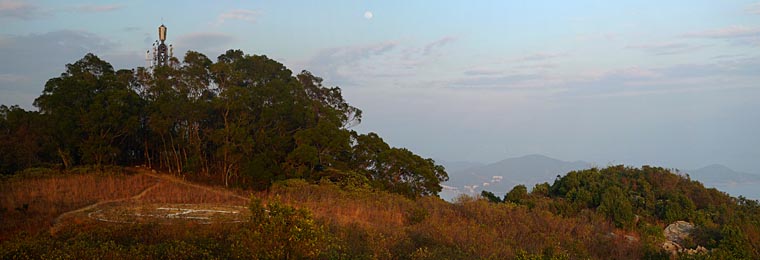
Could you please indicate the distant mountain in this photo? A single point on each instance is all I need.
(502, 176)
(725, 179)
(459, 165)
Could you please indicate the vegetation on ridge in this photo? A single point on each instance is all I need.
(644, 200)
(243, 121)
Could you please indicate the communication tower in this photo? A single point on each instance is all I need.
(161, 53)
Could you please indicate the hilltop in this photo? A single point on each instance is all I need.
(241, 159)
(241, 121)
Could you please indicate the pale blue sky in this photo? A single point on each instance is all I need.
(668, 83)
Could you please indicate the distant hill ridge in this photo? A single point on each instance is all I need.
(726, 179)
(501, 176)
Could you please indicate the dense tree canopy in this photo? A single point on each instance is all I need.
(640, 200)
(244, 120)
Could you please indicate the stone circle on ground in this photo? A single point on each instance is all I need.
(165, 213)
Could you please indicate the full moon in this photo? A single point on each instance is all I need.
(368, 15)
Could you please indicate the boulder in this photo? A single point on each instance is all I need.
(678, 231)
(676, 234)
(696, 251)
(672, 248)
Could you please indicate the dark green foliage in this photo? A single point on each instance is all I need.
(92, 111)
(490, 196)
(734, 245)
(244, 120)
(517, 195)
(22, 139)
(674, 206)
(645, 200)
(395, 169)
(541, 189)
(615, 206)
(278, 231)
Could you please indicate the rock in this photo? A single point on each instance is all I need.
(695, 251)
(630, 238)
(672, 248)
(678, 231)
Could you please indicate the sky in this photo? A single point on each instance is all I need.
(665, 83)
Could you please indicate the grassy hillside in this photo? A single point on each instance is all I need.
(297, 219)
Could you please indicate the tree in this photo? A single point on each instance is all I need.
(490, 196)
(396, 169)
(91, 112)
(541, 189)
(673, 207)
(517, 195)
(616, 206)
(22, 139)
(242, 120)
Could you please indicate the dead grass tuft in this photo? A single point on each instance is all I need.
(31, 204)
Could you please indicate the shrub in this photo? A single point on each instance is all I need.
(281, 231)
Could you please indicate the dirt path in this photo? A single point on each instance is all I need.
(56, 226)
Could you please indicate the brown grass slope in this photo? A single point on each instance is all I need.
(362, 223)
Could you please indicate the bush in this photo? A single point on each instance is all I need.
(281, 231)
(517, 194)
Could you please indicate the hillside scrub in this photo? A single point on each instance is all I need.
(333, 220)
(297, 219)
(641, 201)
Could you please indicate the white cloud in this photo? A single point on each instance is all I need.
(383, 63)
(450, 188)
(35, 58)
(731, 32)
(18, 9)
(206, 42)
(666, 48)
(12, 78)
(430, 47)
(341, 64)
(541, 56)
(753, 8)
(99, 8)
(483, 72)
(368, 15)
(244, 15)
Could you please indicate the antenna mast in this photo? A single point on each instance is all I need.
(161, 53)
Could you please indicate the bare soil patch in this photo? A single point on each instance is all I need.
(164, 213)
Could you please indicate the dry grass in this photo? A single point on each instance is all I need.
(366, 223)
(377, 210)
(31, 204)
(175, 190)
(383, 225)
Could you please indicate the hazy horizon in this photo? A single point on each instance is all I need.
(669, 84)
